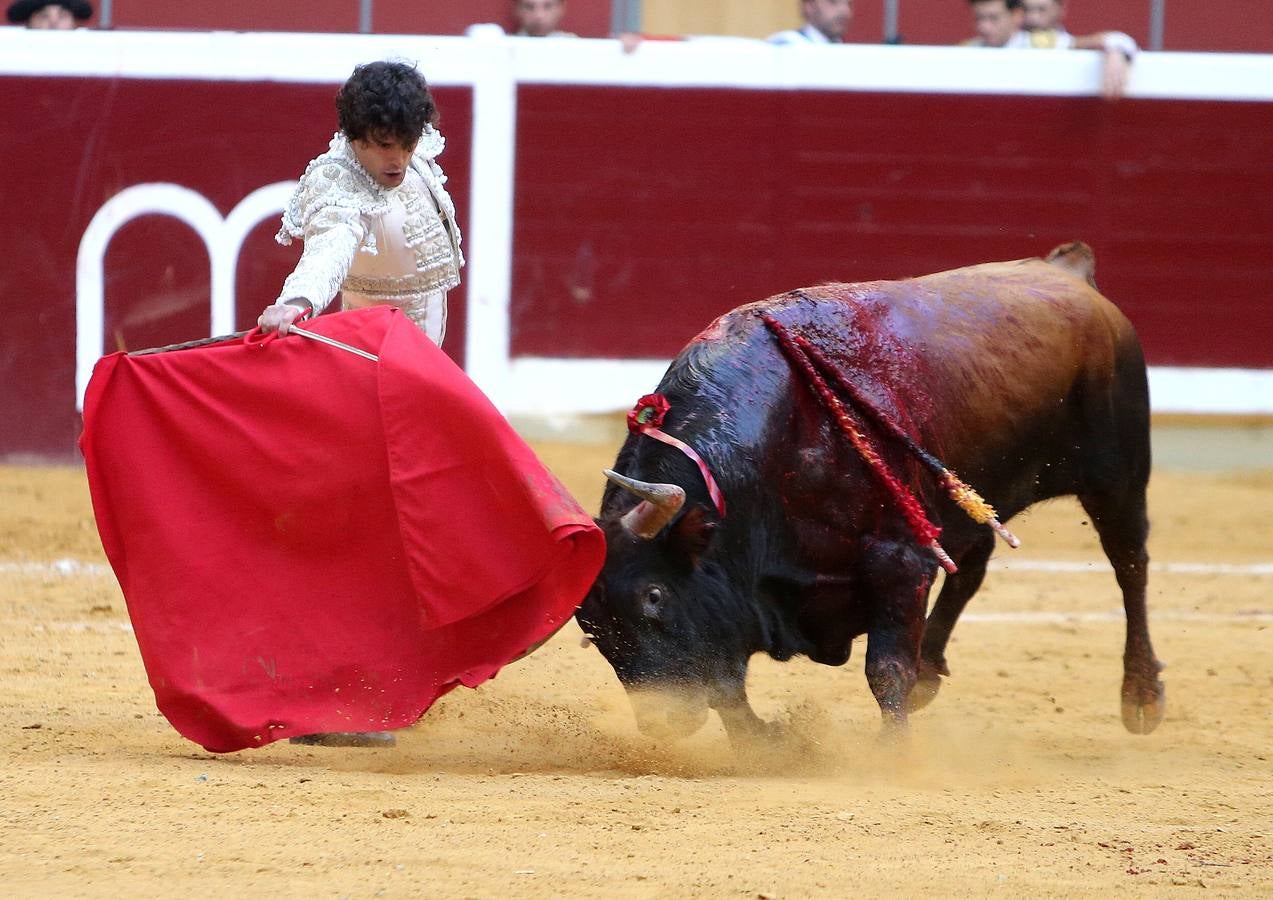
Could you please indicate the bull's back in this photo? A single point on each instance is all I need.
(1007, 342)
(976, 360)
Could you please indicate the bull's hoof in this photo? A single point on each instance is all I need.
(757, 743)
(922, 693)
(1143, 706)
(927, 686)
(347, 739)
(894, 731)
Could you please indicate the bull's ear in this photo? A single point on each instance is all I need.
(693, 533)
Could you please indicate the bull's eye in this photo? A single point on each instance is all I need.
(652, 603)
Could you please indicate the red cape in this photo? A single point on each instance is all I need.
(311, 541)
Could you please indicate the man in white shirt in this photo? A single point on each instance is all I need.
(1045, 22)
(540, 18)
(824, 23)
(1038, 24)
(998, 24)
(59, 16)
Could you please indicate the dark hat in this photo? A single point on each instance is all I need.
(21, 10)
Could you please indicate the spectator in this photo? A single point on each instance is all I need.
(60, 16)
(1045, 22)
(998, 24)
(1025, 24)
(540, 18)
(824, 23)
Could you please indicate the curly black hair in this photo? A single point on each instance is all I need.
(385, 99)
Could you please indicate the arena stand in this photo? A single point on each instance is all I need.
(614, 204)
(1194, 25)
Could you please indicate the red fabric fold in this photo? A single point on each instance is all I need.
(311, 541)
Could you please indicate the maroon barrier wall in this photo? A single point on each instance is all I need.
(729, 196)
(223, 139)
(1131, 16)
(238, 15)
(1237, 25)
(633, 229)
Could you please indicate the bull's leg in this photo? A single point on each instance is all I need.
(956, 591)
(1121, 522)
(744, 728)
(898, 579)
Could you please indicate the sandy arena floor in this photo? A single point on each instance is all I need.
(1018, 781)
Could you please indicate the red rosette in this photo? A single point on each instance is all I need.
(649, 412)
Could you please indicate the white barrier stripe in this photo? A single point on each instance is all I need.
(714, 62)
(231, 56)
(1192, 389)
(535, 386)
(76, 567)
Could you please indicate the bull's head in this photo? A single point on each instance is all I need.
(664, 613)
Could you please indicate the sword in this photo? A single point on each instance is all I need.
(203, 342)
(332, 342)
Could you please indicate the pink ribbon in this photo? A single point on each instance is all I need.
(645, 418)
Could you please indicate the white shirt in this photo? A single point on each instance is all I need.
(806, 35)
(395, 246)
(1060, 39)
(389, 275)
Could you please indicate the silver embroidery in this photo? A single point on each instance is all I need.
(395, 287)
(332, 210)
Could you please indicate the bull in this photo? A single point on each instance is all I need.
(1020, 375)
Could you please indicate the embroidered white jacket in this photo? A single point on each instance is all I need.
(398, 246)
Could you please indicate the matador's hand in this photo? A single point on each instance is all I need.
(281, 316)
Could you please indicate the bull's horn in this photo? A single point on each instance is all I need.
(659, 504)
(660, 494)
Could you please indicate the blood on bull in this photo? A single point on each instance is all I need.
(794, 498)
